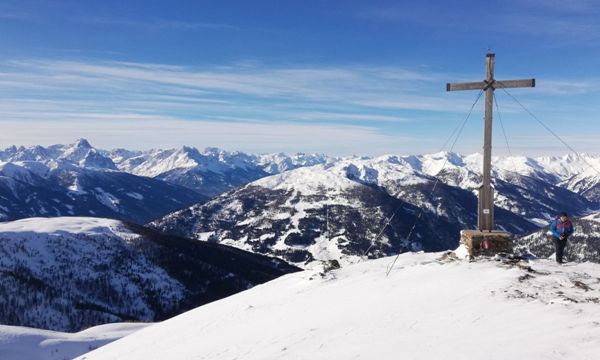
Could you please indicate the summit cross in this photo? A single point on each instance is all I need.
(485, 211)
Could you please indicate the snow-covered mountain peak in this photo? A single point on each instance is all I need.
(432, 164)
(428, 164)
(84, 155)
(189, 151)
(187, 157)
(77, 150)
(280, 162)
(33, 153)
(568, 165)
(344, 174)
(120, 155)
(231, 160)
(391, 158)
(308, 180)
(212, 161)
(213, 151)
(81, 143)
(476, 156)
(451, 157)
(386, 171)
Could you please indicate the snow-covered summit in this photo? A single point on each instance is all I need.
(344, 174)
(84, 155)
(430, 307)
(280, 162)
(80, 153)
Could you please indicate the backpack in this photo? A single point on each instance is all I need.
(559, 227)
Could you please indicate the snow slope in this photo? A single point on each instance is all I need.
(22, 343)
(428, 308)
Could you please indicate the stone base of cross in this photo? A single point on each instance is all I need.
(486, 243)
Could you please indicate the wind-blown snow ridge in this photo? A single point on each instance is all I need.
(428, 308)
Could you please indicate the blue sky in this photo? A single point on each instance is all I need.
(341, 77)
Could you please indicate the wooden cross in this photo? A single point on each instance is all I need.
(485, 212)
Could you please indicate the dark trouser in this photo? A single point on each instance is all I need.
(560, 245)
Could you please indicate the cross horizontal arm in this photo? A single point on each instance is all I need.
(478, 85)
(514, 83)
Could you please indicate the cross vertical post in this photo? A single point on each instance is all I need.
(485, 212)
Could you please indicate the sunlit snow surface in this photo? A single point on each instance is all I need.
(430, 307)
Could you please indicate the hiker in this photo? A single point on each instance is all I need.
(561, 228)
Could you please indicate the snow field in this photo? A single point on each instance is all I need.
(425, 309)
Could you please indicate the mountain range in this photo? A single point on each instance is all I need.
(336, 211)
(209, 172)
(301, 207)
(80, 180)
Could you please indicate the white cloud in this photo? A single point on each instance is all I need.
(248, 107)
(351, 85)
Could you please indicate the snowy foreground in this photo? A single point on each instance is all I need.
(430, 307)
(22, 343)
